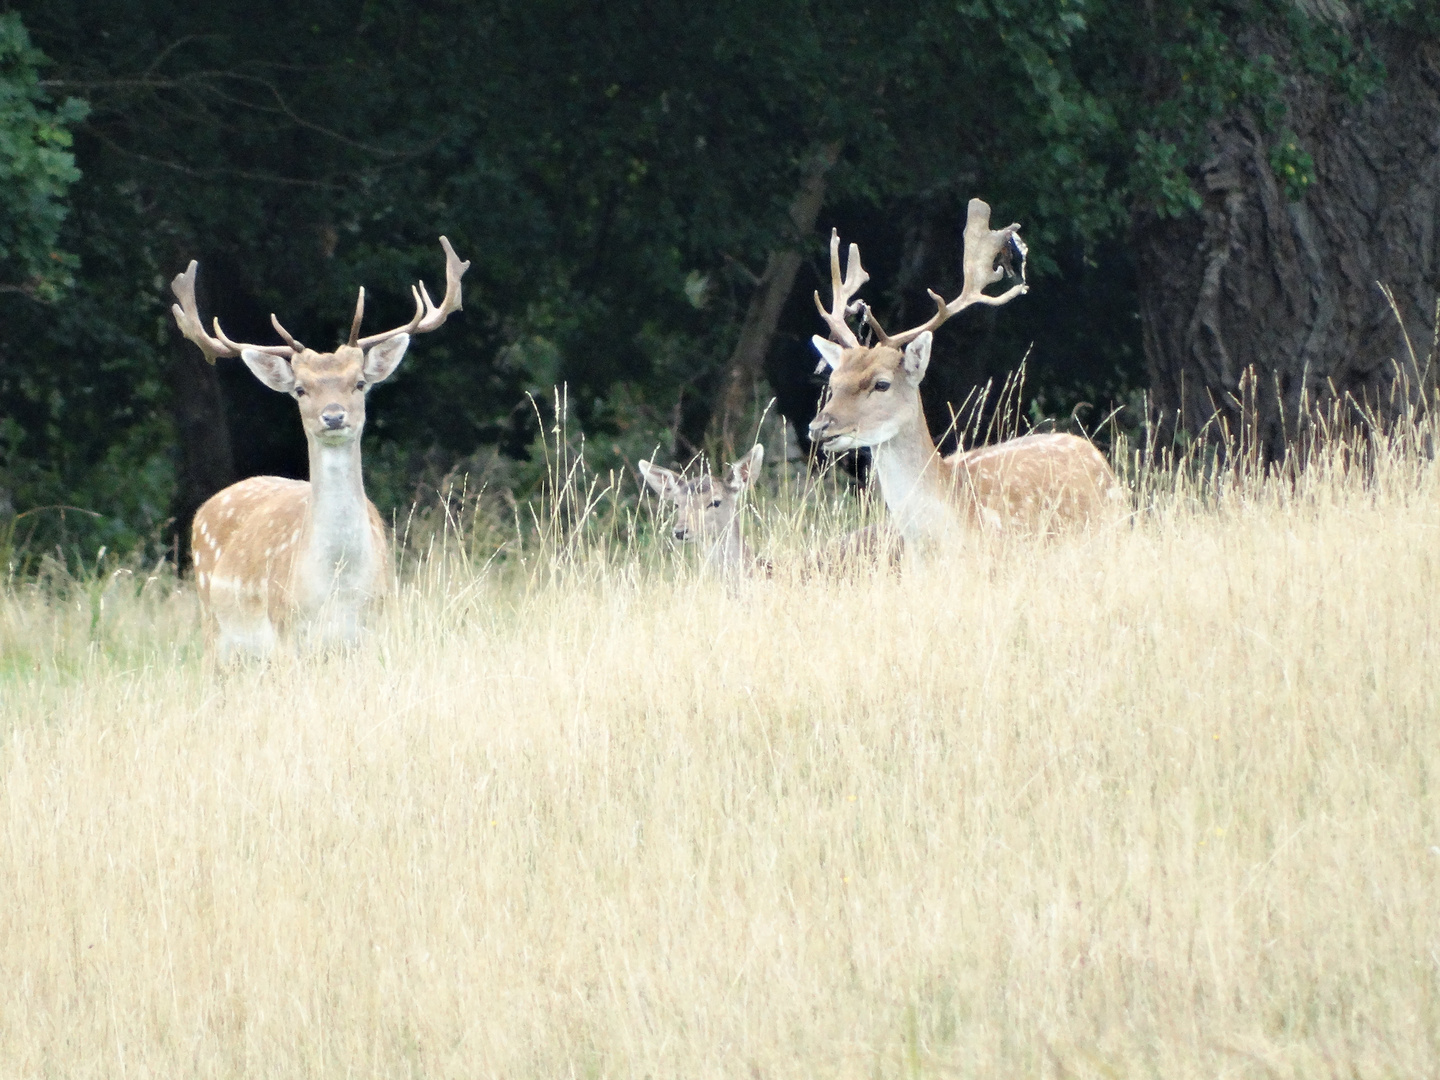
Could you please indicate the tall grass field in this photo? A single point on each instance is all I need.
(1157, 800)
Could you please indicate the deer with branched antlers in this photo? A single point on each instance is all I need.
(273, 554)
(1035, 483)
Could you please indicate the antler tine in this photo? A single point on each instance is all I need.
(408, 328)
(236, 347)
(295, 345)
(359, 318)
(454, 271)
(842, 291)
(187, 318)
(428, 316)
(984, 248)
(900, 340)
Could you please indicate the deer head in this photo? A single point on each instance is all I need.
(874, 391)
(707, 509)
(330, 387)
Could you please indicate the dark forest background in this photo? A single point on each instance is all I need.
(646, 192)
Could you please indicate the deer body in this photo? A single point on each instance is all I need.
(274, 555)
(1036, 483)
(1033, 484)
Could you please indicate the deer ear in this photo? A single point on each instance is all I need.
(274, 371)
(917, 358)
(830, 353)
(743, 471)
(382, 359)
(662, 481)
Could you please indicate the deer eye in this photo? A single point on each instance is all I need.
(882, 384)
(715, 503)
(360, 385)
(299, 391)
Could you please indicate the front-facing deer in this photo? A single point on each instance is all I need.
(272, 553)
(1035, 483)
(707, 510)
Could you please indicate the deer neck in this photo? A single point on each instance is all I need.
(729, 552)
(908, 469)
(340, 536)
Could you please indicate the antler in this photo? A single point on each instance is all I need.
(841, 292)
(187, 317)
(298, 346)
(427, 315)
(984, 246)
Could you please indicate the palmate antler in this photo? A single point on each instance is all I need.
(988, 257)
(187, 317)
(842, 291)
(428, 315)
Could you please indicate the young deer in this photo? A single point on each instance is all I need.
(272, 553)
(707, 510)
(1033, 483)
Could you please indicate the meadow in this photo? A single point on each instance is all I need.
(1161, 800)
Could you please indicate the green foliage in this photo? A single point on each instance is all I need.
(36, 169)
(83, 391)
(616, 173)
(1173, 69)
(1161, 172)
(1293, 167)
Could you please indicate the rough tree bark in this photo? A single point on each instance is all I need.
(1290, 289)
(747, 361)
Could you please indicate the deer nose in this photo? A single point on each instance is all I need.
(681, 532)
(818, 426)
(333, 415)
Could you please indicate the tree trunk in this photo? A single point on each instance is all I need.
(207, 462)
(1289, 290)
(773, 289)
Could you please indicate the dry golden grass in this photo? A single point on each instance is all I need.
(1160, 802)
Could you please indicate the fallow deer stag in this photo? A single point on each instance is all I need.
(271, 553)
(707, 510)
(1033, 483)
